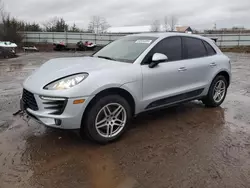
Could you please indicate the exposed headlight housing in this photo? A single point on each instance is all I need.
(66, 82)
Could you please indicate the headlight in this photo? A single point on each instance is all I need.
(66, 82)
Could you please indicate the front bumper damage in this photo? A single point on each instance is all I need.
(54, 112)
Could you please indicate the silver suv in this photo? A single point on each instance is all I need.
(137, 73)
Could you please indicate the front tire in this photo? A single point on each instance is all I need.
(107, 119)
(217, 92)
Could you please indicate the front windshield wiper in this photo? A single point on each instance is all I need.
(104, 57)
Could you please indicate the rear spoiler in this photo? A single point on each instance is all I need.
(215, 39)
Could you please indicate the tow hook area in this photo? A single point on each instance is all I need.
(23, 115)
(18, 112)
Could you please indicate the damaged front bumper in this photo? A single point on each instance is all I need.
(47, 113)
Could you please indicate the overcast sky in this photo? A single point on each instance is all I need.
(199, 14)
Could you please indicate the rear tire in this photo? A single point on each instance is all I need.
(107, 119)
(217, 92)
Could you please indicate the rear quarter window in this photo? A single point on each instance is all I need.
(210, 50)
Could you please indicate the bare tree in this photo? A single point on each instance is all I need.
(104, 26)
(166, 25)
(10, 26)
(155, 26)
(74, 28)
(173, 22)
(170, 23)
(56, 25)
(49, 24)
(3, 15)
(2, 10)
(98, 25)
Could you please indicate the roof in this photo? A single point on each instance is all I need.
(163, 34)
(182, 28)
(167, 34)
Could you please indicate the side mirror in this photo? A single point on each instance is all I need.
(157, 58)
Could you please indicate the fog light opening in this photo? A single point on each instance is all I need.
(58, 122)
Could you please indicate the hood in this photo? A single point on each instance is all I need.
(61, 67)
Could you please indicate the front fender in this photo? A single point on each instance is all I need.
(135, 89)
(104, 87)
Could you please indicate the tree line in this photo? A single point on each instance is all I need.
(169, 24)
(96, 25)
(11, 28)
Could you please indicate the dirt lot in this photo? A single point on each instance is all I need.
(187, 146)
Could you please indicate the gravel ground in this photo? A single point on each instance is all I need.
(187, 146)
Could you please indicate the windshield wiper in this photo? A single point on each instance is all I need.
(108, 58)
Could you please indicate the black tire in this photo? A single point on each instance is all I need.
(88, 128)
(209, 100)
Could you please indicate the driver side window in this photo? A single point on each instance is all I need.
(171, 47)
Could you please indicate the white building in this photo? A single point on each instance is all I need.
(133, 29)
(146, 28)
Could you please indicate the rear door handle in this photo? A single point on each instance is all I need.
(213, 64)
(182, 69)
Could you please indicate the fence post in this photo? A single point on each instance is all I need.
(25, 38)
(239, 40)
(39, 37)
(53, 37)
(95, 38)
(66, 35)
(221, 40)
(110, 38)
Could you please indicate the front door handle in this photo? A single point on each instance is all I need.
(213, 64)
(182, 69)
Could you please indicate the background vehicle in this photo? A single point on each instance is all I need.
(137, 73)
(86, 45)
(7, 49)
(62, 46)
(59, 46)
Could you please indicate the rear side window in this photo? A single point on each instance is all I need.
(210, 49)
(194, 48)
(171, 47)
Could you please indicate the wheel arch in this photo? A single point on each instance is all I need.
(225, 74)
(109, 91)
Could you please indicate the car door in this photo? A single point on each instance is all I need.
(167, 81)
(197, 63)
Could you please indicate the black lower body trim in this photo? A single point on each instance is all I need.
(175, 99)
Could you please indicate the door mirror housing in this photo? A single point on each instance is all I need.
(158, 58)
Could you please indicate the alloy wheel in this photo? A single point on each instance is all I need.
(110, 120)
(219, 91)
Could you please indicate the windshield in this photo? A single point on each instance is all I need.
(127, 49)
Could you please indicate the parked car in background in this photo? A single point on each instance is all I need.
(7, 49)
(137, 73)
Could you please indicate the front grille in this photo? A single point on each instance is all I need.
(29, 100)
(56, 106)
